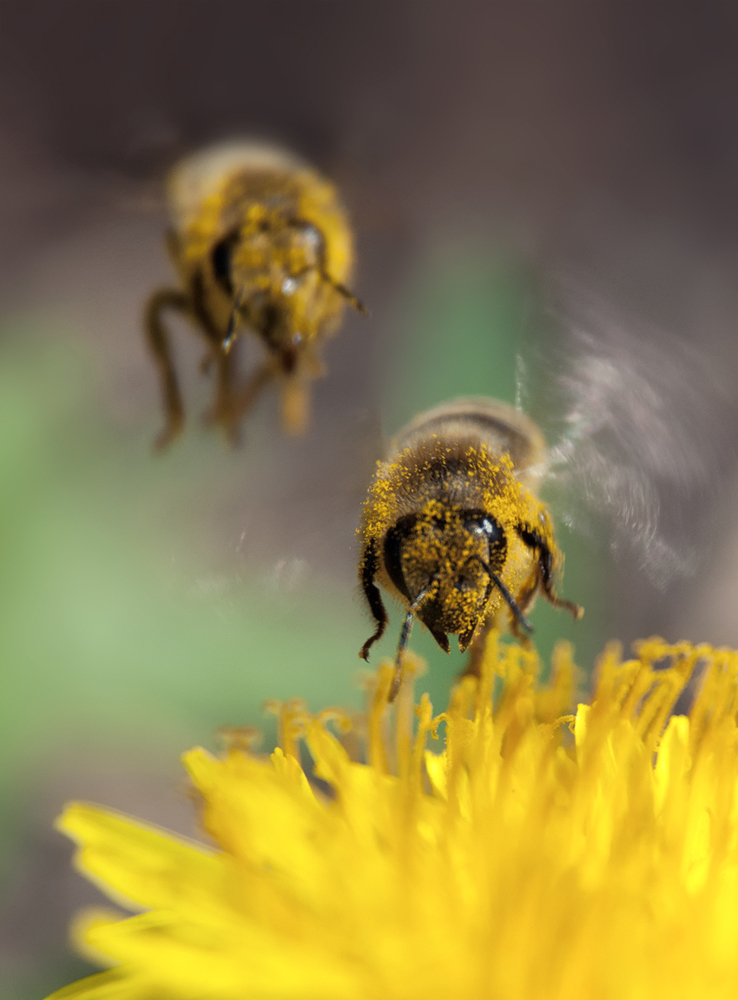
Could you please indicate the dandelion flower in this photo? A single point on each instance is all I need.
(529, 855)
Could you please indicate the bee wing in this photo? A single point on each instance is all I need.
(643, 435)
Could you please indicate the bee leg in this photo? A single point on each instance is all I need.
(224, 409)
(312, 361)
(524, 601)
(158, 341)
(522, 637)
(473, 666)
(546, 572)
(249, 392)
(296, 388)
(368, 570)
(478, 645)
(295, 404)
(575, 610)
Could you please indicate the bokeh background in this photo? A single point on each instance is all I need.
(490, 154)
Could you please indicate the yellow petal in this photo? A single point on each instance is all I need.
(110, 985)
(138, 865)
(247, 959)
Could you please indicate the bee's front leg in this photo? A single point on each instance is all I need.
(224, 407)
(477, 646)
(295, 403)
(158, 341)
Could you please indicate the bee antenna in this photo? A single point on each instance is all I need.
(352, 299)
(509, 599)
(407, 627)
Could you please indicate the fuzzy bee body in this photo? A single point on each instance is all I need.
(259, 241)
(453, 529)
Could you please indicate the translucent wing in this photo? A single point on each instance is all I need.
(642, 433)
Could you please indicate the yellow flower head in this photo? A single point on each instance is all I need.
(538, 855)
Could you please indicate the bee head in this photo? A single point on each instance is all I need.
(274, 267)
(451, 553)
(270, 267)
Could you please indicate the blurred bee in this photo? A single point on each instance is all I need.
(453, 529)
(260, 242)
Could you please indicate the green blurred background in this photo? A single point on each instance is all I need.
(147, 600)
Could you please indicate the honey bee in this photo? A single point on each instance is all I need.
(452, 527)
(260, 242)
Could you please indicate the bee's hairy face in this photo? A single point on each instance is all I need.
(446, 550)
(277, 272)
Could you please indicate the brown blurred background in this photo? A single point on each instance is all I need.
(482, 149)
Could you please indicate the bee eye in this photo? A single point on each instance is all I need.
(492, 529)
(220, 258)
(482, 525)
(393, 549)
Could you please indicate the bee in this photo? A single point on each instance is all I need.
(453, 529)
(260, 242)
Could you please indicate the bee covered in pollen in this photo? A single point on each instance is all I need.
(260, 242)
(452, 527)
